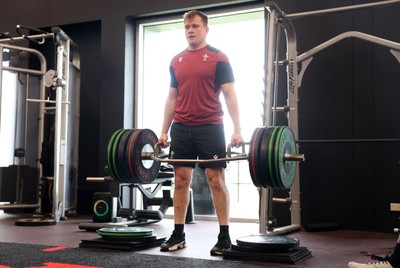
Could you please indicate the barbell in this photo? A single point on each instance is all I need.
(133, 156)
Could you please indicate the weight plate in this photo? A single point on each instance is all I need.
(114, 155)
(110, 155)
(146, 238)
(123, 234)
(144, 170)
(35, 222)
(122, 164)
(286, 169)
(253, 153)
(276, 150)
(129, 152)
(125, 231)
(272, 242)
(115, 146)
(252, 148)
(271, 154)
(265, 179)
(257, 155)
(109, 151)
(236, 247)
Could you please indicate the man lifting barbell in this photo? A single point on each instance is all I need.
(198, 76)
(197, 137)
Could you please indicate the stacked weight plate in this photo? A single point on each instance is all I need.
(267, 164)
(124, 238)
(270, 248)
(124, 156)
(38, 221)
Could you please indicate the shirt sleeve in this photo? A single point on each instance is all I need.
(173, 82)
(224, 74)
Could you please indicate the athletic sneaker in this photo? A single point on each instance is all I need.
(378, 264)
(174, 242)
(224, 242)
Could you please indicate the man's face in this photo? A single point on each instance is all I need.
(195, 32)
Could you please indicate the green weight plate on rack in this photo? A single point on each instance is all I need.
(110, 155)
(286, 169)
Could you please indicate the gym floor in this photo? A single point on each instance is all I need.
(328, 248)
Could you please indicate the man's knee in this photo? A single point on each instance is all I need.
(215, 178)
(183, 177)
(181, 183)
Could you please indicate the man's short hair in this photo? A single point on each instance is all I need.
(191, 14)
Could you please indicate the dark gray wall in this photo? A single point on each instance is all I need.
(348, 91)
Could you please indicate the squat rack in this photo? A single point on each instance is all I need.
(275, 18)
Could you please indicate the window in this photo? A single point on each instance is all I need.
(8, 106)
(241, 36)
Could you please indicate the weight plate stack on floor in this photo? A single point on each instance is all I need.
(126, 233)
(267, 243)
(270, 248)
(124, 238)
(35, 222)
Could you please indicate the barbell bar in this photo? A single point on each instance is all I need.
(164, 159)
(243, 156)
(350, 140)
(132, 156)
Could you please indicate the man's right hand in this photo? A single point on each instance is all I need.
(163, 140)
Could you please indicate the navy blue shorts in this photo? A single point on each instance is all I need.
(198, 142)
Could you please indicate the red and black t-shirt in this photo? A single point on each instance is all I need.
(198, 76)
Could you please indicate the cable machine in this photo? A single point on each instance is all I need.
(50, 101)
